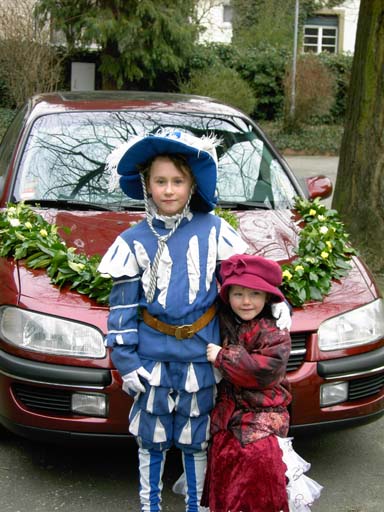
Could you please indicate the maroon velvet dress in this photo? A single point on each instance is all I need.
(245, 470)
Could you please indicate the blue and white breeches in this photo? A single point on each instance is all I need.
(175, 408)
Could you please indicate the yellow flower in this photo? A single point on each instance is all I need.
(321, 218)
(28, 225)
(312, 212)
(329, 245)
(299, 267)
(287, 274)
(14, 222)
(77, 267)
(323, 230)
(43, 232)
(324, 255)
(310, 259)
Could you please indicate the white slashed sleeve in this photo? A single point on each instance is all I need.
(230, 242)
(120, 263)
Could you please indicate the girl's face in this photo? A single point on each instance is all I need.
(169, 186)
(246, 302)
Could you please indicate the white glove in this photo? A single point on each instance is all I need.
(282, 313)
(212, 351)
(132, 382)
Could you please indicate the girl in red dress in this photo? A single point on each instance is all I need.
(251, 465)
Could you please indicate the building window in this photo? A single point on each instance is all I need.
(227, 13)
(320, 34)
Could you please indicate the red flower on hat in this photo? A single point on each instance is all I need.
(237, 267)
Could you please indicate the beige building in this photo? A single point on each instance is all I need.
(332, 30)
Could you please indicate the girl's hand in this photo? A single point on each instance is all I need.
(212, 351)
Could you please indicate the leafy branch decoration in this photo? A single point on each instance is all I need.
(322, 253)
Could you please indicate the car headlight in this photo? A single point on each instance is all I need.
(357, 327)
(49, 334)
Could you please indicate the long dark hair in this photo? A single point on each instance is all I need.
(230, 322)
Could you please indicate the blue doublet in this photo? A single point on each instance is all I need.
(180, 394)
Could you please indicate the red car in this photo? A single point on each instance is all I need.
(56, 376)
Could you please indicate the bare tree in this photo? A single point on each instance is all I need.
(359, 192)
(29, 63)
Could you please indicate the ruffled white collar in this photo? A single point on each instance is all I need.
(169, 221)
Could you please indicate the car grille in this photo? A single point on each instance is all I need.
(367, 386)
(59, 401)
(52, 400)
(298, 350)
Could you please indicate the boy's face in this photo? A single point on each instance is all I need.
(170, 188)
(245, 302)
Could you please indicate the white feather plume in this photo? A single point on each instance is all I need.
(113, 160)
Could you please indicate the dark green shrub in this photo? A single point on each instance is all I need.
(222, 83)
(211, 54)
(309, 140)
(340, 66)
(263, 68)
(6, 116)
(5, 101)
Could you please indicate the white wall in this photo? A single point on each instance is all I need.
(351, 14)
(210, 14)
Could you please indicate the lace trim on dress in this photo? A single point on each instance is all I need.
(302, 490)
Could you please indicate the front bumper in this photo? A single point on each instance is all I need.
(364, 375)
(35, 400)
(40, 381)
(53, 374)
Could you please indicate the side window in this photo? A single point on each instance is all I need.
(8, 145)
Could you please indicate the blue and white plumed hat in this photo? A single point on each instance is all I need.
(125, 161)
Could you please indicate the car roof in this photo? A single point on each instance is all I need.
(63, 101)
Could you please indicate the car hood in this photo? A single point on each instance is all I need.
(272, 234)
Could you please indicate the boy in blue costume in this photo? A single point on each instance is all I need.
(162, 304)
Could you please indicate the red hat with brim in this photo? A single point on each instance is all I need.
(253, 272)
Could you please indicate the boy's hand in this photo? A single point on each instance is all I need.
(132, 381)
(282, 313)
(212, 351)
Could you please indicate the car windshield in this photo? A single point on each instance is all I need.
(64, 158)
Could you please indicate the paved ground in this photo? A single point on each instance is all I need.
(313, 165)
(35, 477)
(304, 166)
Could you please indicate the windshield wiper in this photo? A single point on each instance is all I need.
(133, 205)
(244, 205)
(70, 204)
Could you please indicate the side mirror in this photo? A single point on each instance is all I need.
(319, 186)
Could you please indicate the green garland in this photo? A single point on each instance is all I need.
(322, 253)
(26, 235)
